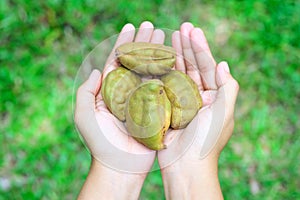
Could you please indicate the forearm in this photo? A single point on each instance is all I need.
(197, 181)
(106, 183)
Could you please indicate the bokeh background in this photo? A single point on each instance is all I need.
(43, 43)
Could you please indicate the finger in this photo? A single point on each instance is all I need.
(176, 43)
(222, 110)
(188, 53)
(158, 37)
(85, 98)
(126, 35)
(145, 32)
(85, 111)
(228, 89)
(85, 118)
(204, 59)
(199, 42)
(99, 103)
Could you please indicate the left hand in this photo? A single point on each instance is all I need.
(106, 137)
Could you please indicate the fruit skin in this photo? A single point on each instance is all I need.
(116, 88)
(184, 96)
(148, 114)
(146, 58)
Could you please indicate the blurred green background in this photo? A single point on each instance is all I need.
(42, 44)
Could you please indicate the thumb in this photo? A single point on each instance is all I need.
(228, 89)
(85, 98)
(222, 108)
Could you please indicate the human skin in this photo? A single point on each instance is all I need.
(193, 174)
(119, 163)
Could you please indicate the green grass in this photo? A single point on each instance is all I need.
(43, 44)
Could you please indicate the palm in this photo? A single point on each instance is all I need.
(112, 129)
(116, 133)
(195, 59)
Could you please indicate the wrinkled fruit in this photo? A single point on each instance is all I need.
(115, 89)
(184, 97)
(146, 58)
(148, 114)
(151, 107)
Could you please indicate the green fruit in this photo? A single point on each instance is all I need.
(184, 97)
(116, 88)
(146, 58)
(148, 114)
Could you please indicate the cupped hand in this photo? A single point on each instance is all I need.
(105, 136)
(210, 130)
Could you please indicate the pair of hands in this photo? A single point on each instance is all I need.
(196, 147)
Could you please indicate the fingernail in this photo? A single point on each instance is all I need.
(223, 73)
(95, 74)
(226, 67)
(146, 24)
(128, 27)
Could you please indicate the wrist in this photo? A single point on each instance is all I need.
(196, 179)
(109, 183)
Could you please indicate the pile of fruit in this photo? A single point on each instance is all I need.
(169, 99)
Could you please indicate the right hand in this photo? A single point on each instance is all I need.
(205, 137)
